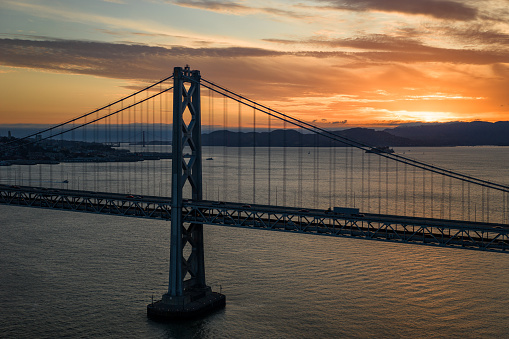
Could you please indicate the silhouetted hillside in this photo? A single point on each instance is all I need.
(456, 134)
(376, 138)
(447, 134)
(292, 138)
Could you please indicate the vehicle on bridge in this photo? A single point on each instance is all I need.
(348, 211)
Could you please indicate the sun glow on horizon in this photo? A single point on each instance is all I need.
(425, 116)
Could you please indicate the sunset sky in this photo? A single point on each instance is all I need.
(346, 63)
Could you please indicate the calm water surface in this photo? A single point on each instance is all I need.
(66, 274)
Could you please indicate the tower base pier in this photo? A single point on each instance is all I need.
(193, 304)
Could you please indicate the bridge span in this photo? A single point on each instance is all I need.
(403, 229)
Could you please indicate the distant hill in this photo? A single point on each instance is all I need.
(292, 138)
(376, 138)
(446, 134)
(474, 133)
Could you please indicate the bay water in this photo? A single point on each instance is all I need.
(78, 275)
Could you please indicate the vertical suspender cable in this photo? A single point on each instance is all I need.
(51, 167)
(505, 219)
(139, 146)
(62, 164)
(135, 147)
(362, 193)
(396, 189)
(413, 191)
(152, 148)
(116, 165)
(129, 141)
(301, 145)
(168, 118)
(284, 162)
(122, 127)
(144, 134)
(334, 173)
(225, 144)
(145, 147)
(468, 196)
(144, 168)
(162, 148)
(330, 172)
(352, 190)
(105, 137)
(503, 208)
(73, 164)
(316, 169)
(487, 205)
(146, 143)
(442, 208)
(95, 165)
(423, 193)
(482, 203)
(405, 188)
(462, 200)
(254, 155)
(39, 181)
(347, 158)
(386, 185)
(379, 184)
(369, 184)
(431, 194)
(29, 175)
(450, 196)
(212, 145)
(502, 205)
(85, 167)
(239, 145)
(269, 132)
(3, 177)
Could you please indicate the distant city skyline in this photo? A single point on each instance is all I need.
(336, 62)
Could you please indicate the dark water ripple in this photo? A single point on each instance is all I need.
(78, 275)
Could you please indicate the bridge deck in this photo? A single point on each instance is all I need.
(428, 231)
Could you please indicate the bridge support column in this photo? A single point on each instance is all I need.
(188, 295)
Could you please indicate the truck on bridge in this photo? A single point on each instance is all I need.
(346, 211)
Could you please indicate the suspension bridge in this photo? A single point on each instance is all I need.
(191, 151)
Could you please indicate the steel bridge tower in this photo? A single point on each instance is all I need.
(188, 295)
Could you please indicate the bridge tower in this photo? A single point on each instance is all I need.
(188, 295)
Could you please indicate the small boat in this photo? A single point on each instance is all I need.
(381, 149)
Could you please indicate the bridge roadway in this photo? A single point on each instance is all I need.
(428, 231)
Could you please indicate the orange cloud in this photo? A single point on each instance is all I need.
(384, 83)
